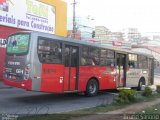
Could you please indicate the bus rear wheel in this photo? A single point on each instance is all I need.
(92, 88)
(140, 85)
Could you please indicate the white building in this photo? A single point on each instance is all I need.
(101, 32)
(131, 34)
(83, 24)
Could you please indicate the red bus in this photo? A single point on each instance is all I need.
(48, 63)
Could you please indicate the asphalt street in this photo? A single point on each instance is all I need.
(18, 101)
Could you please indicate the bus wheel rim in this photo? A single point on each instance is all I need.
(92, 88)
(140, 84)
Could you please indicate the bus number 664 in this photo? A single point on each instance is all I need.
(19, 71)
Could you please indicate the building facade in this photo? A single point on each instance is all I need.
(131, 34)
(101, 32)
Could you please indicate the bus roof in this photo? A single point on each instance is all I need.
(118, 50)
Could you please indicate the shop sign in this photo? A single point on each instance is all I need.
(28, 14)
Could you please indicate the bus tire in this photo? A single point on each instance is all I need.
(140, 84)
(92, 88)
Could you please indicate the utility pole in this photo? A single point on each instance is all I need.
(74, 20)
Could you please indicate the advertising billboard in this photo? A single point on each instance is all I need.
(28, 14)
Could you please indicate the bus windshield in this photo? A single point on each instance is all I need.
(18, 44)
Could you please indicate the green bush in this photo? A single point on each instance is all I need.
(125, 96)
(158, 88)
(147, 92)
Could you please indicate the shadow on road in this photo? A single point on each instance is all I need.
(51, 98)
(46, 97)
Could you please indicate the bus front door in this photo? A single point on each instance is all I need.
(121, 70)
(71, 68)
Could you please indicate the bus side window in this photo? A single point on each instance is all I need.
(49, 51)
(83, 61)
(85, 56)
(94, 56)
(110, 62)
(132, 61)
(143, 62)
(74, 57)
(103, 56)
(66, 53)
(94, 62)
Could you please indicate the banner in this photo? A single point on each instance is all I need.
(28, 14)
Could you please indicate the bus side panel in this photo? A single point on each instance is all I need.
(73, 79)
(106, 80)
(134, 75)
(51, 78)
(69, 80)
(85, 74)
(36, 66)
(66, 78)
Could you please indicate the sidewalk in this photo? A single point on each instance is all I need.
(3, 86)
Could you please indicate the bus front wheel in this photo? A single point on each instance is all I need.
(92, 87)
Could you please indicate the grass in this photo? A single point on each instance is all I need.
(90, 111)
(152, 110)
(151, 113)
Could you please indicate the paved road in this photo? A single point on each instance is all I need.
(17, 101)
